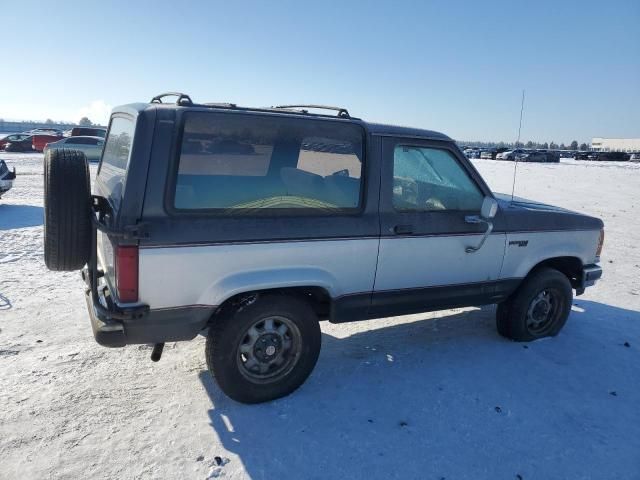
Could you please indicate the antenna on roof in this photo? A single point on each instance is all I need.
(515, 157)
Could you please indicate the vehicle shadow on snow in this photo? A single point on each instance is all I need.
(20, 216)
(450, 398)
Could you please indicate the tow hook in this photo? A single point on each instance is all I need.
(156, 353)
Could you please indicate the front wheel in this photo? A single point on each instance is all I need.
(539, 308)
(265, 350)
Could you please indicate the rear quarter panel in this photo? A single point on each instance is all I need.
(208, 275)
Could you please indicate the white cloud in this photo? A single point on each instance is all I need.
(97, 111)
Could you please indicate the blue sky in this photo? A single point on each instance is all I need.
(457, 67)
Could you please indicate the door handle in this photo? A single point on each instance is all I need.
(478, 219)
(403, 229)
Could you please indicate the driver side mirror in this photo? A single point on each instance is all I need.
(489, 208)
(487, 212)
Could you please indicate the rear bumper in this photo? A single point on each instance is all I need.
(106, 331)
(117, 326)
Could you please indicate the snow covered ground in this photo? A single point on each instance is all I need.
(432, 396)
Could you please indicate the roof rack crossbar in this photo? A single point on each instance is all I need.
(183, 98)
(220, 104)
(342, 112)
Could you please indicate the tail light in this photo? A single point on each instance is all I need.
(600, 243)
(127, 273)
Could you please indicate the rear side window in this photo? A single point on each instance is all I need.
(235, 164)
(115, 158)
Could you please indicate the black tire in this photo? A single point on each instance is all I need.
(502, 319)
(539, 308)
(67, 210)
(228, 336)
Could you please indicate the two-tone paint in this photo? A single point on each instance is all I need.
(376, 262)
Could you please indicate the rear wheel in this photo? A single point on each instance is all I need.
(539, 308)
(264, 350)
(67, 210)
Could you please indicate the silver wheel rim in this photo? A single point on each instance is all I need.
(542, 312)
(269, 349)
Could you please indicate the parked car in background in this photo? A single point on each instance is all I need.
(87, 132)
(472, 153)
(24, 144)
(90, 146)
(46, 131)
(635, 157)
(38, 141)
(488, 154)
(16, 137)
(509, 154)
(583, 155)
(500, 151)
(532, 156)
(553, 156)
(6, 178)
(610, 156)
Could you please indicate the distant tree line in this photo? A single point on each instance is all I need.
(83, 122)
(530, 144)
(24, 125)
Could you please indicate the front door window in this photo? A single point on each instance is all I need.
(431, 179)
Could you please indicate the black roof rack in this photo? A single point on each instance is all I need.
(220, 105)
(183, 98)
(342, 112)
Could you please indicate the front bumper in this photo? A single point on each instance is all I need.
(590, 275)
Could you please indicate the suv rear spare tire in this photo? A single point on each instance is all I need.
(67, 210)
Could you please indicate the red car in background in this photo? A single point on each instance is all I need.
(40, 140)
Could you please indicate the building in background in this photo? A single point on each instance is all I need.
(615, 144)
